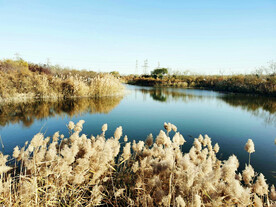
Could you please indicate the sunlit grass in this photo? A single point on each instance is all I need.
(88, 171)
(19, 81)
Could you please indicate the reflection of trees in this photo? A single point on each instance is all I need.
(28, 112)
(158, 96)
(251, 103)
(166, 95)
(263, 107)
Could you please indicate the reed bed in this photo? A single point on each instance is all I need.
(82, 171)
(20, 80)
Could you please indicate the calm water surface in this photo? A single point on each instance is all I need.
(228, 119)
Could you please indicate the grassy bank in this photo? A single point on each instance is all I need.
(251, 84)
(21, 80)
(82, 171)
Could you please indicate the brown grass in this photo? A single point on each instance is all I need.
(20, 80)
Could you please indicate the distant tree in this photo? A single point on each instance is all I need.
(271, 68)
(159, 72)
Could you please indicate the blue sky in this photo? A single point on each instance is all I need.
(203, 36)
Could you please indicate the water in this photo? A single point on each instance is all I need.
(228, 119)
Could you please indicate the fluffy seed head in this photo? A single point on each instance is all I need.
(249, 146)
(168, 126)
(71, 125)
(149, 140)
(260, 187)
(118, 132)
(174, 128)
(16, 152)
(104, 128)
(180, 202)
(273, 193)
(37, 140)
(216, 148)
(247, 174)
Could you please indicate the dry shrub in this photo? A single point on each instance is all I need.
(82, 171)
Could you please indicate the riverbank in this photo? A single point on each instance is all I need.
(82, 171)
(22, 81)
(249, 84)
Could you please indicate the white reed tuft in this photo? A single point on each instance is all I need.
(71, 125)
(81, 171)
(216, 148)
(104, 128)
(248, 174)
(250, 148)
(118, 132)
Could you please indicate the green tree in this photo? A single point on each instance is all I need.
(159, 72)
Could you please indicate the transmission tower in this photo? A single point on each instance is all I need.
(17, 56)
(158, 65)
(136, 68)
(48, 62)
(145, 66)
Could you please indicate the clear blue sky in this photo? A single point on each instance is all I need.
(203, 36)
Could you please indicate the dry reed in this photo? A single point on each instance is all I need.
(82, 171)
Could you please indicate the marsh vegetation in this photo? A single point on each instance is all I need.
(88, 171)
(261, 81)
(21, 80)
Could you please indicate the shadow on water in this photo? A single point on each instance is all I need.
(262, 107)
(165, 95)
(28, 112)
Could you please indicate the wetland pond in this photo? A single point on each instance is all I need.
(229, 119)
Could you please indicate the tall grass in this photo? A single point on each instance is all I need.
(20, 80)
(82, 171)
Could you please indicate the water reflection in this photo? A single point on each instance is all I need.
(263, 107)
(168, 95)
(27, 112)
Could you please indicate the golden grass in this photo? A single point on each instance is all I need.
(18, 81)
(82, 171)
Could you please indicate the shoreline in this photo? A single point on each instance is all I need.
(208, 89)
